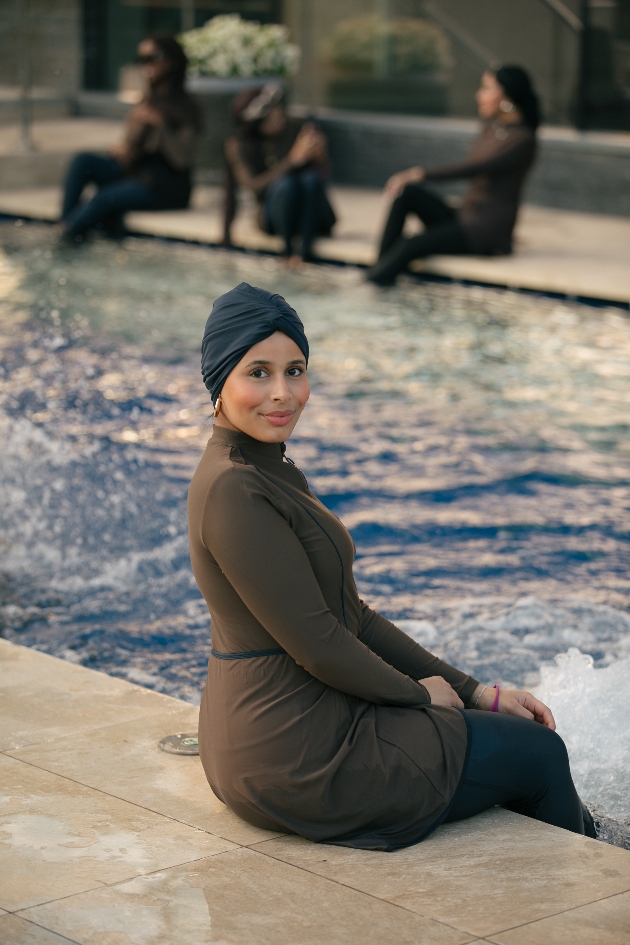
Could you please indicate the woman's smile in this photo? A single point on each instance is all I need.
(279, 418)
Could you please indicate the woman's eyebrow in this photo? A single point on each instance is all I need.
(264, 363)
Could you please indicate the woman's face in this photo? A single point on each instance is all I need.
(155, 65)
(489, 96)
(266, 392)
(273, 123)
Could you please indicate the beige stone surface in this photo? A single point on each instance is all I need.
(66, 137)
(482, 875)
(17, 931)
(606, 922)
(58, 838)
(240, 898)
(575, 253)
(42, 697)
(106, 840)
(172, 785)
(578, 254)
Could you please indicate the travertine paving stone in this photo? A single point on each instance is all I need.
(44, 697)
(606, 922)
(482, 875)
(17, 931)
(98, 844)
(59, 838)
(172, 785)
(240, 898)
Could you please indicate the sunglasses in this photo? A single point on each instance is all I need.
(147, 60)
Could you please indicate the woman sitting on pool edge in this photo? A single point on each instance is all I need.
(319, 716)
(282, 162)
(149, 170)
(497, 165)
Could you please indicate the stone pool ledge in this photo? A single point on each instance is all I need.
(105, 839)
(579, 255)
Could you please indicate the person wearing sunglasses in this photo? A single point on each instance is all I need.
(151, 168)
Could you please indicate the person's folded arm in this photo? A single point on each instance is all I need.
(179, 145)
(262, 558)
(503, 160)
(243, 176)
(404, 654)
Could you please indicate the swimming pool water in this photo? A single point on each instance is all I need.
(474, 441)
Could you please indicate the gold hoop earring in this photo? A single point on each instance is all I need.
(217, 407)
(506, 106)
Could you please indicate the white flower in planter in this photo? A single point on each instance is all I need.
(229, 46)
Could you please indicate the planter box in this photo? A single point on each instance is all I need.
(215, 97)
(404, 94)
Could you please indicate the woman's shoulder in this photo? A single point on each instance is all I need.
(221, 476)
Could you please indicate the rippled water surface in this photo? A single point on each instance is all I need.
(474, 441)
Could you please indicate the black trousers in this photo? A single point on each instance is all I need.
(116, 195)
(296, 205)
(442, 234)
(520, 765)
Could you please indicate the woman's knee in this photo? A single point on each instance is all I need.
(286, 185)
(555, 750)
(545, 753)
(83, 161)
(310, 180)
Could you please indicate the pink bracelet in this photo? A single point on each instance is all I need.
(495, 704)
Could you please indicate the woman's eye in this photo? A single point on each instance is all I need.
(259, 372)
(295, 371)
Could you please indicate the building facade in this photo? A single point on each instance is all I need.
(409, 56)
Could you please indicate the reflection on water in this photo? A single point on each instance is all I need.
(474, 441)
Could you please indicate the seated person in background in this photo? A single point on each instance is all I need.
(282, 161)
(497, 165)
(151, 168)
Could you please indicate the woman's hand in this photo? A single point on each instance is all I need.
(396, 184)
(310, 145)
(517, 702)
(122, 153)
(145, 114)
(441, 692)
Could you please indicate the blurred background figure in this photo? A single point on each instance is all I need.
(283, 162)
(497, 165)
(151, 168)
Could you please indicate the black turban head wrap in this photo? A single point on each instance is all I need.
(238, 320)
(518, 87)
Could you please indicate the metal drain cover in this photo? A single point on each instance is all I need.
(185, 743)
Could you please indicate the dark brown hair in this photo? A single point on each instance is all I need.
(171, 99)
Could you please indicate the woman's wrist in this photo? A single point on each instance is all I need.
(476, 696)
(483, 697)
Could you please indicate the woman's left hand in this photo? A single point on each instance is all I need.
(518, 702)
(145, 114)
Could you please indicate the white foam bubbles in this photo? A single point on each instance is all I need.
(592, 707)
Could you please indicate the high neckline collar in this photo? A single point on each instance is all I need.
(236, 438)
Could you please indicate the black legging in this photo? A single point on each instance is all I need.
(520, 765)
(443, 233)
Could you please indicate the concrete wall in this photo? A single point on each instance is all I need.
(588, 171)
(55, 57)
(55, 44)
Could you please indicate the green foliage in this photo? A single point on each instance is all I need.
(402, 46)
